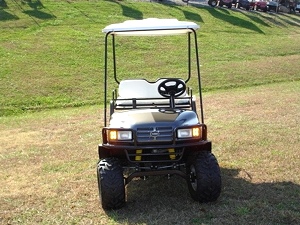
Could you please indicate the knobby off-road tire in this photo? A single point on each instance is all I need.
(111, 183)
(205, 177)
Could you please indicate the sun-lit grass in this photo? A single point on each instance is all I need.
(263, 133)
(51, 57)
(48, 159)
(51, 52)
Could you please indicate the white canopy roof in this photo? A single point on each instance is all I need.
(151, 26)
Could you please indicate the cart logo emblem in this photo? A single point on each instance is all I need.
(154, 134)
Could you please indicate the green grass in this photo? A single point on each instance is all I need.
(51, 52)
(48, 166)
(51, 57)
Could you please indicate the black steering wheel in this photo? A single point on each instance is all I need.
(171, 87)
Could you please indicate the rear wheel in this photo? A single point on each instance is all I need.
(111, 183)
(205, 177)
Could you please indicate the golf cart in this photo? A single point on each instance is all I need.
(152, 128)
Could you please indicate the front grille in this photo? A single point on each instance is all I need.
(153, 134)
(154, 155)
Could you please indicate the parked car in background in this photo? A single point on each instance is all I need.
(273, 6)
(245, 4)
(291, 4)
(227, 3)
(213, 3)
(259, 5)
(297, 7)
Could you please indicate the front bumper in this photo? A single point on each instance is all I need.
(153, 153)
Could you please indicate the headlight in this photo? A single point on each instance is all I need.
(194, 132)
(119, 135)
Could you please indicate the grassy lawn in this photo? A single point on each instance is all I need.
(51, 52)
(51, 68)
(48, 166)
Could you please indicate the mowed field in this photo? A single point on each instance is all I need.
(48, 162)
(51, 56)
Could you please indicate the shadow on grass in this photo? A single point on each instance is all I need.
(38, 14)
(255, 16)
(162, 201)
(192, 16)
(35, 11)
(3, 4)
(188, 14)
(221, 14)
(287, 18)
(258, 17)
(128, 11)
(5, 15)
(224, 15)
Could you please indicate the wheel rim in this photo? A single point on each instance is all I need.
(193, 179)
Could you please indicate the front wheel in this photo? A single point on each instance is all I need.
(204, 177)
(111, 183)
